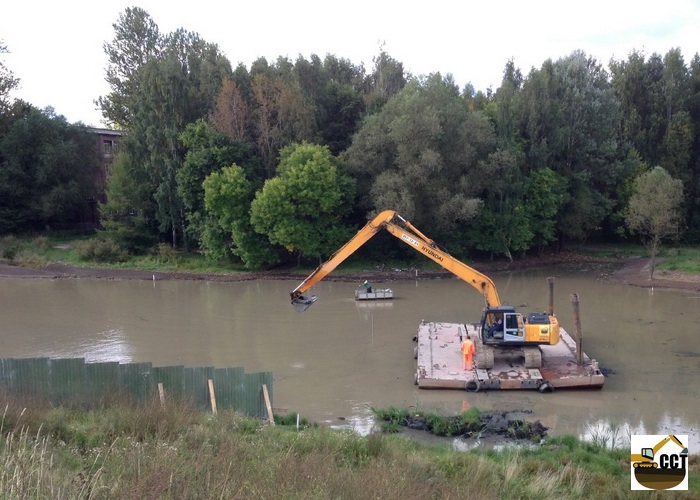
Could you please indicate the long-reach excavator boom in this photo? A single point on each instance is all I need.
(408, 234)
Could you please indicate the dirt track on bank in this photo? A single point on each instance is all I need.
(632, 271)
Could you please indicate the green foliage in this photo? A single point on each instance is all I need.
(8, 82)
(417, 156)
(47, 171)
(9, 246)
(208, 151)
(136, 40)
(172, 451)
(503, 225)
(570, 124)
(128, 215)
(303, 208)
(391, 419)
(654, 208)
(189, 71)
(100, 250)
(291, 419)
(545, 197)
(227, 198)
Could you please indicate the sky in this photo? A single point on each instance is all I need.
(56, 48)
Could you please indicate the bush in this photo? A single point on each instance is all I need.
(9, 246)
(99, 250)
(166, 254)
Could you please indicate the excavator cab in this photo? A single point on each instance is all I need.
(501, 325)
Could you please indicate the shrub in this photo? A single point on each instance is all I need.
(100, 250)
(166, 254)
(9, 246)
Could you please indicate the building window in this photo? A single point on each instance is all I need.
(109, 147)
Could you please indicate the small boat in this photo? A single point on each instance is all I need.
(379, 294)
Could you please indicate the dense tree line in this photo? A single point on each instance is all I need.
(286, 159)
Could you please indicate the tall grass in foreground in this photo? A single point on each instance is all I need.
(174, 451)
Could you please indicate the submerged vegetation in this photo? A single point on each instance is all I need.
(174, 451)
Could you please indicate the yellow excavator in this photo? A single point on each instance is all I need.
(501, 326)
(645, 460)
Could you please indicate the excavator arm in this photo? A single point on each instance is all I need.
(408, 234)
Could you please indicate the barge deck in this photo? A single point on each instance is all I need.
(439, 363)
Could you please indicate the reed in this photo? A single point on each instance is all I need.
(172, 451)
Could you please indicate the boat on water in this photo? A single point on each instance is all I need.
(379, 294)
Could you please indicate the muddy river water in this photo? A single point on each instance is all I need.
(335, 361)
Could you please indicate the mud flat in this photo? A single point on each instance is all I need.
(439, 363)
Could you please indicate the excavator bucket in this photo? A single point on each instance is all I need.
(302, 303)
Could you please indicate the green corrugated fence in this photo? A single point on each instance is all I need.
(74, 380)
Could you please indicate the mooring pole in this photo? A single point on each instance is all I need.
(550, 311)
(577, 322)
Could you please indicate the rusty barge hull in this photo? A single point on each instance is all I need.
(439, 363)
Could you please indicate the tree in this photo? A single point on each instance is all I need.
(177, 88)
(544, 198)
(227, 229)
(208, 151)
(654, 209)
(8, 82)
(136, 41)
(419, 155)
(503, 224)
(570, 123)
(231, 113)
(304, 206)
(387, 79)
(47, 172)
(128, 216)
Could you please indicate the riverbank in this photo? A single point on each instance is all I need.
(633, 271)
(172, 451)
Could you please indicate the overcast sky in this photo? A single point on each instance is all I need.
(56, 47)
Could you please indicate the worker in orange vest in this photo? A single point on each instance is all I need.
(468, 352)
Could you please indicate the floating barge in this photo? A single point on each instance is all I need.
(381, 294)
(439, 363)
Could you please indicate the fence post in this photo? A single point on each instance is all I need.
(212, 396)
(268, 405)
(161, 393)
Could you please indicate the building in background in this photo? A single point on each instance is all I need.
(108, 147)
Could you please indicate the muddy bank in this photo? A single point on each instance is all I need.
(630, 270)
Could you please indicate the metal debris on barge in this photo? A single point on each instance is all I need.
(439, 363)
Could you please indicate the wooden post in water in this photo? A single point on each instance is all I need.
(577, 323)
(212, 396)
(550, 309)
(268, 405)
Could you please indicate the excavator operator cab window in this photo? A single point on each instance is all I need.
(512, 321)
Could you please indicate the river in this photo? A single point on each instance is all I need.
(337, 360)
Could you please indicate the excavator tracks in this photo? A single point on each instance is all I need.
(533, 357)
(484, 355)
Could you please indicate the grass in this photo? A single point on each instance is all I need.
(670, 258)
(38, 251)
(150, 451)
(686, 260)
